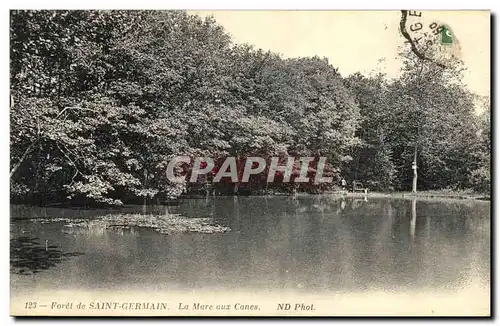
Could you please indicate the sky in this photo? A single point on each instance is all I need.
(356, 40)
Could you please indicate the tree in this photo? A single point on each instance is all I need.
(372, 158)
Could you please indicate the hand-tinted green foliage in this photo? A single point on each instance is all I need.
(102, 100)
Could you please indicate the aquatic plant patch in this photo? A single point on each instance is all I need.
(165, 224)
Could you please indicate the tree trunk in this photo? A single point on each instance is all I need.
(415, 175)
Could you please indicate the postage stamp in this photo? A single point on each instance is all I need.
(250, 163)
(429, 38)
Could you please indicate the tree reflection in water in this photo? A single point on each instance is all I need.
(28, 256)
(413, 221)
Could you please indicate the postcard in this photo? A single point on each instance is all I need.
(250, 163)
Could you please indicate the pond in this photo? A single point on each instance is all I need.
(308, 245)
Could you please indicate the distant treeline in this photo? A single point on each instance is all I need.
(102, 100)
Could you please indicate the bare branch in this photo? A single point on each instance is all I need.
(74, 108)
(72, 163)
(18, 164)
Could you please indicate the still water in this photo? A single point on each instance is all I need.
(307, 244)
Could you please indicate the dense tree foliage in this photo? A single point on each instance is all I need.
(103, 100)
(426, 112)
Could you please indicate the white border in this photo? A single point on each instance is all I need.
(178, 4)
(247, 4)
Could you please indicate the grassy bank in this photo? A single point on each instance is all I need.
(425, 194)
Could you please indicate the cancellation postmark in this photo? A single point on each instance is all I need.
(429, 38)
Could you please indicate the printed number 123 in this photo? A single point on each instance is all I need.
(30, 305)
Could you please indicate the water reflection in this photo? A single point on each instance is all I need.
(413, 221)
(315, 243)
(28, 256)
